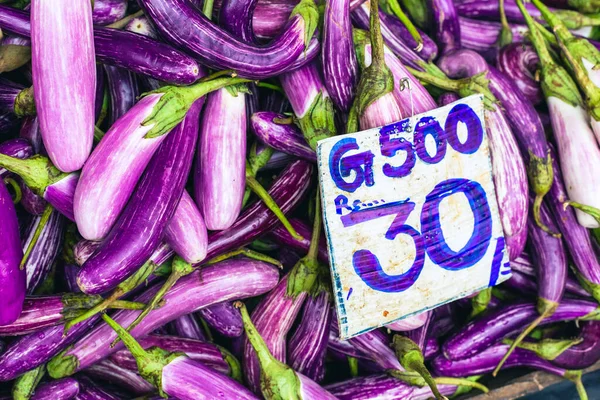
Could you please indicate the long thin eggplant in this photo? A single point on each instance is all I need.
(282, 236)
(123, 49)
(372, 387)
(520, 61)
(236, 17)
(139, 229)
(281, 136)
(64, 69)
(181, 24)
(12, 277)
(123, 89)
(62, 389)
(213, 284)
(448, 32)
(89, 390)
(108, 11)
(187, 326)
(108, 371)
(482, 36)
(584, 354)
(223, 318)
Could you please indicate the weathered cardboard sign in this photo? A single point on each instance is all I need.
(411, 216)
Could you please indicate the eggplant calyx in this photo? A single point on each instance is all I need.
(310, 14)
(574, 19)
(277, 380)
(585, 6)
(25, 384)
(150, 362)
(63, 365)
(37, 172)
(25, 103)
(588, 286)
(235, 369)
(319, 121)
(548, 349)
(411, 358)
(79, 300)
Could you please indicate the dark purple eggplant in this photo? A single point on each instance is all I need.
(30, 130)
(584, 354)
(18, 148)
(281, 136)
(31, 202)
(15, 98)
(187, 326)
(108, 371)
(282, 236)
(520, 61)
(236, 17)
(89, 390)
(131, 241)
(447, 27)
(108, 11)
(62, 389)
(180, 23)
(223, 318)
(123, 89)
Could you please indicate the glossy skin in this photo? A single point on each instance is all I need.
(340, 68)
(224, 318)
(483, 332)
(139, 229)
(372, 387)
(8, 94)
(448, 33)
(187, 326)
(62, 389)
(220, 174)
(286, 138)
(236, 17)
(64, 72)
(19, 148)
(584, 354)
(482, 36)
(108, 11)
(123, 89)
(12, 278)
(123, 49)
(90, 391)
(283, 237)
(491, 10)
(187, 379)
(38, 313)
(61, 194)
(182, 25)
(228, 280)
(410, 323)
(30, 130)
(131, 381)
(520, 61)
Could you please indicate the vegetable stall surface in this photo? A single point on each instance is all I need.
(158, 164)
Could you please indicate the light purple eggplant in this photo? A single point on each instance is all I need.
(482, 36)
(109, 372)
(283, 137)
(123, 90)
(483, 332)
(220, 172)
(142, 26)
(520, 61)
(211, 355)
(340, 68)
(186, 232)
(308, 346)
(228, 280)
(64, 72)
(12, 277)
(44, 251)
(409, 323)
(131, 241)
(181, 24)
(187, 326)
(62, 389)
(447, 27)
(108, 11)
(223, 318)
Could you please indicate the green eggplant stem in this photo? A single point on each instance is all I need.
(414, 32)
(461, 382)
(261, 192)
(16, 188)
(258, 344)
(377, 46)
(122, 23)
(254, 163)
(219, 74)
(36, 235)
(506, 36)
(98, 308)
(592, 211)
(547, 308)
(575, 377)
(207, 8)
(353, 365)
(537, 205)
(208, 333)
(242, 251)
(128, 305)
(480, 302)
(98, 133)
(284, 121)
(271, 86)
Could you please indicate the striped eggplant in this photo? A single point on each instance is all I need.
(482, 36)
(211, 355)
(17, 148)
(31, 202)
(223, 318)
(140, 226)
(142, 26)
(219, 176)
(89, 390)
(186, 232)
(175, 374)
(584, 354)
(123, 89)
(64, 72)
(236, 17)
(277, 380)
(227, 280)
(131, 381)
(578, 150)
(30, 130)
(409, 323)
(340, 68)
(16, 99)
(519, 61)
(123, 49)
(282, 236)
(180, 23)
(447, 27)
(188, 326)
(284, 137)
(372, 387)
(12, 277)
(62, 389)
(108, 11)
(44, 249)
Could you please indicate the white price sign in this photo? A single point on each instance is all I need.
(411, 216)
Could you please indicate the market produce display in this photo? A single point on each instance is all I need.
(161, 231)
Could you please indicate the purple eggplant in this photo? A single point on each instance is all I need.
(182, 25)
(520, 61)
(41, 252)
(31, 202)
(123, 49)
(64, 72)
(277, 380)
(483, 332)
(142, 26)
(308, 345)
(18, 148)
(186, 232)
(123, 89)
(219, 177)
(108, 11)
(281, 136)
(283, 237)
(524, 120)
(213, 284)
(12, 277)
(448, 32)
(138, 230)
(236, 17)
(89, 390)
(409, 323)
(30, 130)
(584, 354)
(223, 318)
(211, 355)
(372, 387)
(15, 98)
(340, 68)
(62, 389)
(187, 326)
(108, 371)
(482, 36)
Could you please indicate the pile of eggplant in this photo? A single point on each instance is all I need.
(160, 217)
